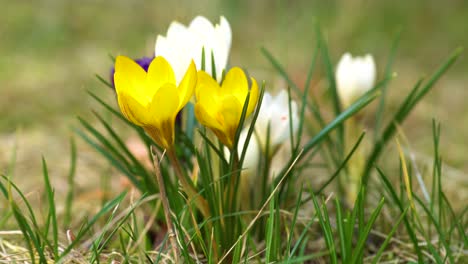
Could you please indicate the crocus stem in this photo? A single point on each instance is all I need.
(356, 163)
(165, 204)
(192, 193)
(234, 182)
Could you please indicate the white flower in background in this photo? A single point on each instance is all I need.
(275, 113)
(250, 164)
(252, 154)
(354, 77)
(182, 44)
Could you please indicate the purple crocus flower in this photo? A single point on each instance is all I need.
(144, 62)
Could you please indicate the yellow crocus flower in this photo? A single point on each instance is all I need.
(152, 99)
(220, 107)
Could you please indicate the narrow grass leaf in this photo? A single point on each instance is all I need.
(51, 202)
(87, 226)
(394, 197)
(379, 116)
(326, 229)
(71, 184)
(387, 240)
(365, 233)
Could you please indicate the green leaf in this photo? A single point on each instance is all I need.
(363, 235)
(52, 214)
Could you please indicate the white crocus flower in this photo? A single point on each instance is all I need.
(182, 44)
(274, 113)
(354, 77)
(249, 166)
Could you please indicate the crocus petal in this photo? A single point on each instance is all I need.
(354, 77)
(206, 86)
(182, 44)
(204, 32)
(274, 112)
(163, 111)
(253, 96)
(220, 108)
(128, 66)
(222, 46)
(174, 48)
(132, 109)
(176, 30)
(230, 113)
(151, 99)
(129, 77)
(165, 103)
(224, 31)
(236, 84)
(203, 28)
(160, 73)
(206, 118)
(187, 85)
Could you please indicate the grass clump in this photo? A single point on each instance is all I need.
(298, 210)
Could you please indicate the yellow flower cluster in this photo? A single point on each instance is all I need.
(152, 99)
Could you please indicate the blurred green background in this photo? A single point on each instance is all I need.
(50, 51)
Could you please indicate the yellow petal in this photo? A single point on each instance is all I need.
(129, 77)
(206, 85)
(159, 73)
(187, 85)
(164, 105)
(253, 97)
(126, 65)
(230, 112)
(236, 84)
(132, 109)
(205, 118)
(163, 110)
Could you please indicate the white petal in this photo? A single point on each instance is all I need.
(354, 77)
(224, 31)
(275, 113)
(176, 30)
(182, 44)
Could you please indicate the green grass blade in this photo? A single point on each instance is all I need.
(104, 81)
(387, 240)
(326, 229)
(115, 163)
(440, 231)
(71, 184)
(354, 108)
(415, 96)
(388, 73)
(293, 222)
(340, 226)
(106, 208)
(52, 214)
(329, 70)
(358, 250)
(252, 125)
(342, 165)
(271, 250)
(394, 197)
(302, 237)
(28, 235)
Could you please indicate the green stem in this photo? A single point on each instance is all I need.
(192, 193)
